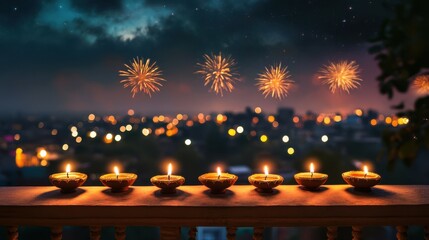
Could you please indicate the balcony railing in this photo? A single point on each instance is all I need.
(331, 206)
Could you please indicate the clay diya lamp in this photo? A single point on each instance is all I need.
(68, 181)
(311, 180)
(362, 180)
(218, 182)
(168, 183)
(265, 182)
(118, 182)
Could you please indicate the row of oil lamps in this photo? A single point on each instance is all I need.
(217, 182)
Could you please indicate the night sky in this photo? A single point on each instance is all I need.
(64, 56)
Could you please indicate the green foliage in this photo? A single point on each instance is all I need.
(402, 51)
(401, 46)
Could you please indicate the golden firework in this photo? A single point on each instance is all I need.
(275, 81)
(421, 84)
(142, 76)
(343, 75)
(219, 72)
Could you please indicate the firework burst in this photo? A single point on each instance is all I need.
(142, 76)
(421, 84)
(218, 72)
(343, 75)
(275, 81)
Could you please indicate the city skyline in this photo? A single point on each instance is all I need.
(141, 113)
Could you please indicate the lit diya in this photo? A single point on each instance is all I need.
(68, 181)
(118, 182)
(168, 183)
(218, 182)
(362, 180)
(265, 182)
(311, 180)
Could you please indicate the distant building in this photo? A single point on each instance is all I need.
(285, 116)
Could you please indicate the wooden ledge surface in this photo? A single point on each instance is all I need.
(199, 196)
(288, 205)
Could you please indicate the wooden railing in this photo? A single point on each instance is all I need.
(331, 206)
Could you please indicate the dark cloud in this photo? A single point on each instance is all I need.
(15, 13)
(82, 28)
(97, 6)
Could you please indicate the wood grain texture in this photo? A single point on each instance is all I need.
(95, 232)
(258, 233)
(170, 233)
(289, 205)
(332, 233)
(56, 233)
(12, 233)
(356, 232)
(231, 233)
(401, 232)
(120, 232)
(192, 234)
